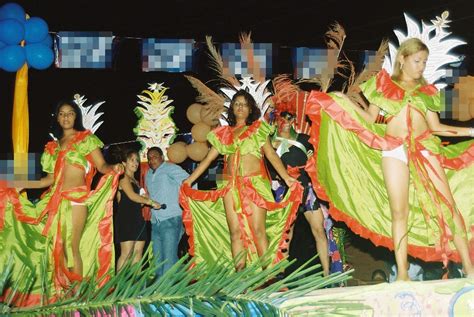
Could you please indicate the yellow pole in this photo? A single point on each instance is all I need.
(20, 123)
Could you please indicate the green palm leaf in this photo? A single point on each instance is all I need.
(189, 288)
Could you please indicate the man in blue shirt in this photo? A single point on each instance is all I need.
(163, 181)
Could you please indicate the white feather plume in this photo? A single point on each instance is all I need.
(258, 91)
(438, 44)
(90, 116)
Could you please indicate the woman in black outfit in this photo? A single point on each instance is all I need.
(294, 150)
(131, 228)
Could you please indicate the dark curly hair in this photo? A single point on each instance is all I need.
(78, 126)
(254, 113)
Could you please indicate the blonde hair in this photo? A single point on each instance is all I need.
(407, 48)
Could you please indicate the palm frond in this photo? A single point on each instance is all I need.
(252, 65)
(284, 88)
(337, 63)
(370, 69)
(213, 102)
(217, 64)
(206, 95)
(189, 288)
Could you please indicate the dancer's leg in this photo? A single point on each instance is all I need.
(237, 246)
(315, 219)
(396, 177)
(79, 216)
(459, 238)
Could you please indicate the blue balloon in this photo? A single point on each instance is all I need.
(12, 11)
(48, 41)
(11, 31)
(13, 57)
(39, 56)
(36, 30)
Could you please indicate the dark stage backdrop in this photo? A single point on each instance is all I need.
(118, 88)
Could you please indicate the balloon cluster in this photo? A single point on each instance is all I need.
(203, 120)
(15, 28)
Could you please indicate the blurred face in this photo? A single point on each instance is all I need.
(414, 65)
(241, 108)
(66, 117)
(132, 163)
(285, 123)
(154, 159)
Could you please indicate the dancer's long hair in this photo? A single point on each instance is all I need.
(56, 129)
(254, 112)
(407, 48)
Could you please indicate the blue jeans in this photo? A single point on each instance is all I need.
(165, 236)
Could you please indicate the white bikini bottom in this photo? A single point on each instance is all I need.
(400, 154)
(73, 203)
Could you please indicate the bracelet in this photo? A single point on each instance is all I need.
(471, 132)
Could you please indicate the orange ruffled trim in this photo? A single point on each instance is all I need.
(226, 136)
(390, 90)
(62, 275)
(320, 101)
(247, 193)
(424, 253)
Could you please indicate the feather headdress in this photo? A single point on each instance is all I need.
(337, 60)
(435, 37)
(290, 98)
(213, 103)
(90, 116)
(226, 78)
(370, 69)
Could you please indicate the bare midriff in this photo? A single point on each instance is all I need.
(398, 125)
(73, 176)
(249, 165)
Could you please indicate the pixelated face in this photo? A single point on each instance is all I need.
(241, 108)
(154, 159)
(66, 116)
(414, 65)
(132, 163)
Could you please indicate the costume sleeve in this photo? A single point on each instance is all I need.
(434, 102)
(263, 132)
(221, 139)
(89, 144)
(48, 158)
(369, 89)
(214, 140)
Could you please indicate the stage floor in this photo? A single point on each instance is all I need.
(453, 297)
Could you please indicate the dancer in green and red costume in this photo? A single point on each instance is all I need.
(241, 215)
(395, 183)
(70, 228)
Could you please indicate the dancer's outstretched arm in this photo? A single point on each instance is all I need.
(202, 167)
(439, 128)
(102, 166)
(46, 181)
